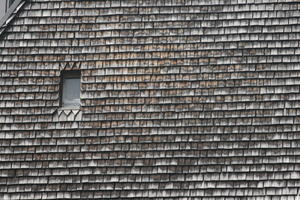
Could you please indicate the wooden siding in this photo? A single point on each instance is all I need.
(181, 99)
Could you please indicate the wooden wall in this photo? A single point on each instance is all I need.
(181, 99)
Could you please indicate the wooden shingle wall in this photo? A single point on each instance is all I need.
(181, 99)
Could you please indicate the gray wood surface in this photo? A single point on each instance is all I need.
(180, 99)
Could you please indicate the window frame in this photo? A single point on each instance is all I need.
(65, 75)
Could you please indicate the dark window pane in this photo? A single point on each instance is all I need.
(71, 90)
(11, 2)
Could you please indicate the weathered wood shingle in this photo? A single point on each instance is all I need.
(181, 99)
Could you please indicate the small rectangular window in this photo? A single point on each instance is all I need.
(70, 89)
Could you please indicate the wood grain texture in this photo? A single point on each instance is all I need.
(180, 99)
